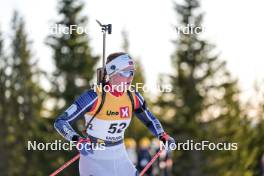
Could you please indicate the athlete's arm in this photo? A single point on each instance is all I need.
(80, 106)
(146, 117)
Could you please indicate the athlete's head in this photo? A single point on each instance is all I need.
(120, 68)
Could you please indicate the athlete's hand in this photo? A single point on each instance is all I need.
(84, 146)
(166, 139)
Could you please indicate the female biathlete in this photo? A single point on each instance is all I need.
(107, 114)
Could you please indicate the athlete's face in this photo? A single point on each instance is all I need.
(123, 78)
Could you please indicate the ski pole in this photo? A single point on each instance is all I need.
(150, 163)
(65, 165)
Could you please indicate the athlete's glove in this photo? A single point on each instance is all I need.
(83, 145)
(166, 139)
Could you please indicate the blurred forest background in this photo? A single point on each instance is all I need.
(203, 105)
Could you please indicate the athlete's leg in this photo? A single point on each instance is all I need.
(93, 167)
(125, 166)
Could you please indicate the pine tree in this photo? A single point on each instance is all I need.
(229, 126)
(244, 129)
(24, 103)
(199, 83)
(3, 110)
(72, 54)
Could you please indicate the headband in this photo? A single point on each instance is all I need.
(118, 64)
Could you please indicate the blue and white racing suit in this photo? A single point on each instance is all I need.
(108, 126)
